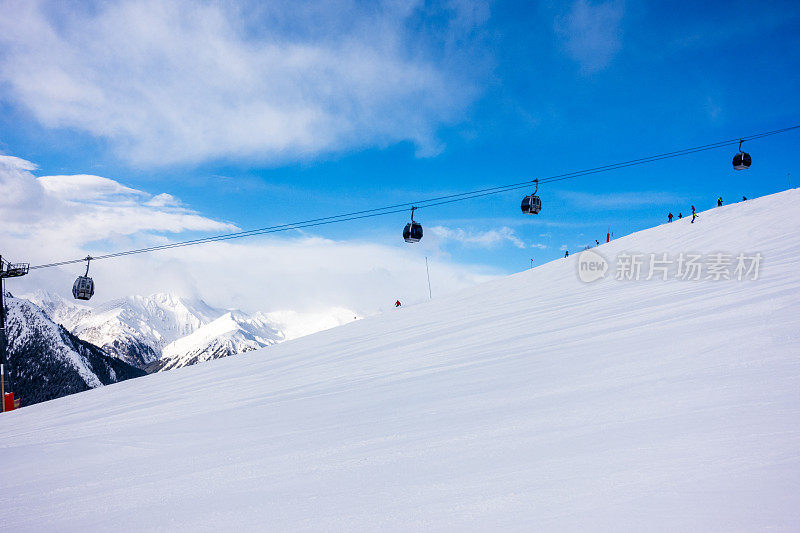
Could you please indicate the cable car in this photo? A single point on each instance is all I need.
(83, 288)
(742, 160)
(413, 230)
(531, 205)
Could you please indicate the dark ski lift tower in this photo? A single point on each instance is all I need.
(7, 270)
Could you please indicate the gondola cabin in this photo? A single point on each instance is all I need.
(83, 288)
(741, 161)
(531, 205)
(412, 232)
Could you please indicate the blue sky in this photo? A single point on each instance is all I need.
(249, 115)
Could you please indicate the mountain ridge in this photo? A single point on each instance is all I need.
(48, 362)
(164, 331)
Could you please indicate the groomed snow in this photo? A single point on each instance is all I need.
(535, 402)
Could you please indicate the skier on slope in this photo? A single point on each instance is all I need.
(719, 201)
(669, 217)
(680, 215)
(397, 303)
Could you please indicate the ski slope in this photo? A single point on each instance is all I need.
(534, 402)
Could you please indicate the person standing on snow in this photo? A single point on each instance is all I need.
(669, 217)
(680, 215)
(719, 201)
(397, 303)
(566, 253)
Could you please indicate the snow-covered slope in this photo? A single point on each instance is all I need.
(535, 402)
(294, 325)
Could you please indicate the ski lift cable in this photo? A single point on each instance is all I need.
(295, 225)
(429, 202)
(398, 208)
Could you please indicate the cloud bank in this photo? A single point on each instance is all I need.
(54, 218)
(188, 81)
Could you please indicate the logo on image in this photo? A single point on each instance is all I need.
(591, 266)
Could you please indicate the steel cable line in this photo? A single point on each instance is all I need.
(296, 225)
(304, 224)
(429, 202)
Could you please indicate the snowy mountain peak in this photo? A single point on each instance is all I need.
(233, 332)
(164, 330)
(137, 328)
(59, 309)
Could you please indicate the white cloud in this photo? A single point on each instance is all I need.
(485, 239)
(187, 81)
(163, 200)
(17, 188)
(65, 213)
(84, 187)
(52, 220)
(11, 162)
(592, 32)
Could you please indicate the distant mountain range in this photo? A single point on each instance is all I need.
(164, 331)
(47, 361)
(59, 347)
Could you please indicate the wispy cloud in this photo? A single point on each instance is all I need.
(623, 200)
(189, 80)
(484, 239)
(86, 187)
(592, 32)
